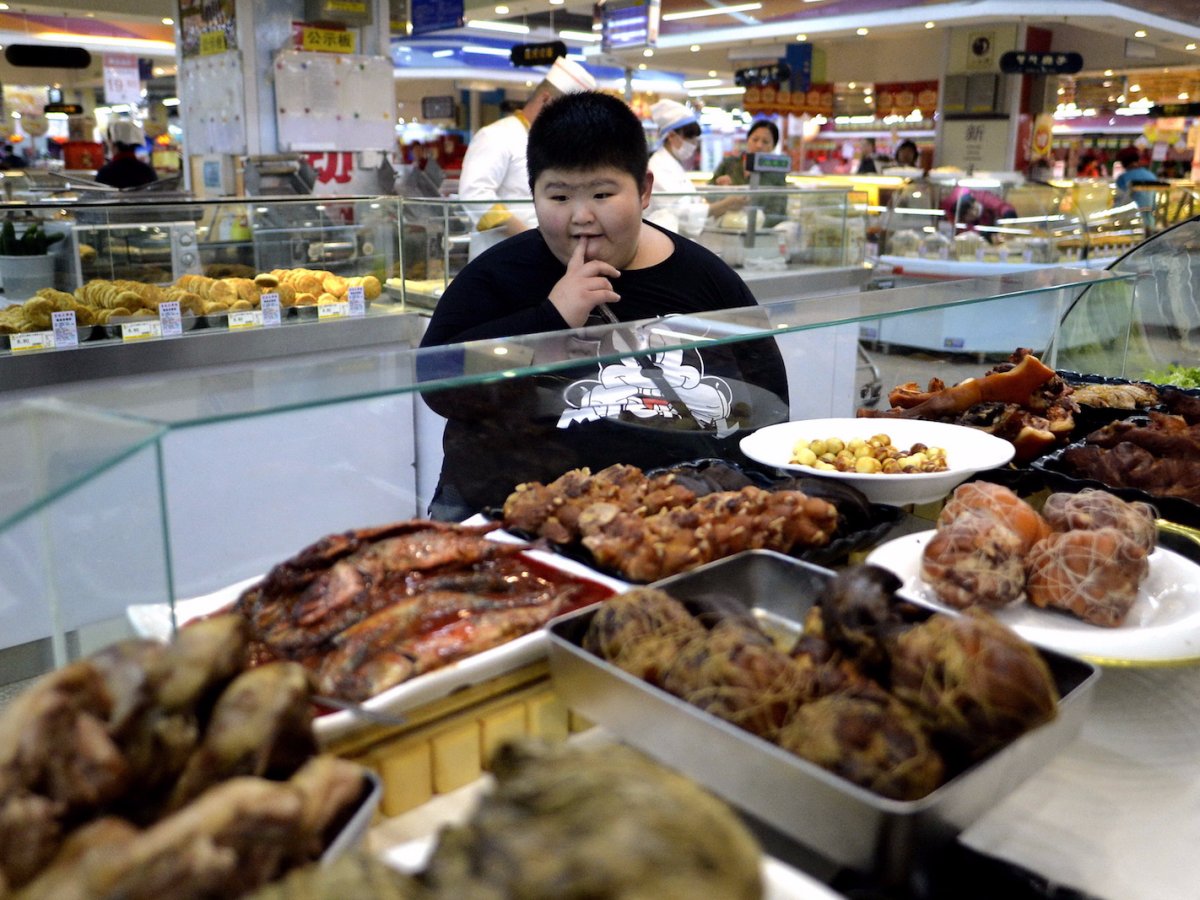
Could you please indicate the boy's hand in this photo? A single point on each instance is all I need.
(584, 286)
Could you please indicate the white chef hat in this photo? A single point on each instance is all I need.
(123, 131)
(669, 115)
(570, 77)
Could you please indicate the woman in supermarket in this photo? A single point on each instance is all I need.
(679, 144)
(763, 137)
(592, 260)
(907, 154)
(124, 169)
(969, 209)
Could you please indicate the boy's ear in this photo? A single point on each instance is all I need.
(647, 187)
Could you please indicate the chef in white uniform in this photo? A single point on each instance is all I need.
(494, 168)
(679, 145)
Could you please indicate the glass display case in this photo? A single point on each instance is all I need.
(207, 266)
(782, 240)
(953, 225)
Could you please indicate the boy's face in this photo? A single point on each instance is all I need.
(604, 205)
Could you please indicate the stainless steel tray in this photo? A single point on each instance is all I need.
(849, 826)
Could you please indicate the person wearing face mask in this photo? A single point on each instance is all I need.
(679, 144)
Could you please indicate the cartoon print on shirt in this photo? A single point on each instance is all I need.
(633, 385)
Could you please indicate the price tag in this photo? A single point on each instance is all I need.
(339, 310)
(270, 308)
(31, 340)
(168, 317)
(147, 330)
(245, 318)
(63, 324)
(356, 300)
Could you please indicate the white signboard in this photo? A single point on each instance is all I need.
(121, 81)
(979, 145)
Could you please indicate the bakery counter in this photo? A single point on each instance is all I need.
(384, 326)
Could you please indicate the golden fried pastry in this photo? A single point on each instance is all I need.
(975, 560)
(222, 292)
(266, 280)
(334, 284)
(308, 283)
(287, 295)
(240, 306)
(327, 298)
(37, 311)
(1092, 574)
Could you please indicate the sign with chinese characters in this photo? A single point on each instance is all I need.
(208, 27)
(903, 98)
(626, 24)
(1025, 62)
(122, 83)
(323, 39)
(537, 54)
(975, 144)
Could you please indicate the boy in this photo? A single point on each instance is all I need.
(593, 259)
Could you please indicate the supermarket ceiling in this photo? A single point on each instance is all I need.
(701, 35)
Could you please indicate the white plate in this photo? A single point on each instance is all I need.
(968, 450)
(154, 620)
(1162, 628)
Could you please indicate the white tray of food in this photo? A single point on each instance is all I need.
(155, 620)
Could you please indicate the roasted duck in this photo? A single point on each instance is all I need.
(1022, 401)
(369, 609)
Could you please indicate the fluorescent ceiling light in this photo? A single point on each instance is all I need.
(498, 26)
(720, 91)
(715, 11)
(170, 101)
(579, 35)
(702, 82)
(88, 40)
(486, 51)
(441, 54)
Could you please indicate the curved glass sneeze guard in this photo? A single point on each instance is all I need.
(1162, 316)
(290, 384)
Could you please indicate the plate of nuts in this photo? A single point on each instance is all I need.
(892, 461)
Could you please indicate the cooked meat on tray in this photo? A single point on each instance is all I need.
(369, 609)
(1161, 457)
(1022, 401)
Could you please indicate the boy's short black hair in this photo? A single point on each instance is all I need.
(587, 130)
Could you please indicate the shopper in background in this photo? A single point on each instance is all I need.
(592, 259)
(1135, 172)
(1089, 167)
(907, 154)
(866, 161)
(124, 169)
(679, 146)
(763, 137)
(10, 160)
(493, 168)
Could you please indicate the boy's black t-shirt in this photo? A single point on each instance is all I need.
(625, 410)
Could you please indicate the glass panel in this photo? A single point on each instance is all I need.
(82, 532)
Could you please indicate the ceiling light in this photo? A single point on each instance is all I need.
(557, 2)
(1183, 95)
(868, 89)
(502, 10)
(852, 85)
(641, 67)
(486, 51)
(863, 31)
(695, 48)
(721, 91)
(929, 24)
(716, 11)
(712, 73)
(441, 54)
(1190, 46)
(170, 101)
(802, 37)
(649, 51)
(702, 82)
(1141, 32)
(3, 6)
(58, 37)
(1108, 72)
(487, 25)
(1134, 88)
(579, 36)
(167, 20)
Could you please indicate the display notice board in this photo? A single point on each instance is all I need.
(215, 115)
(326, 101)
